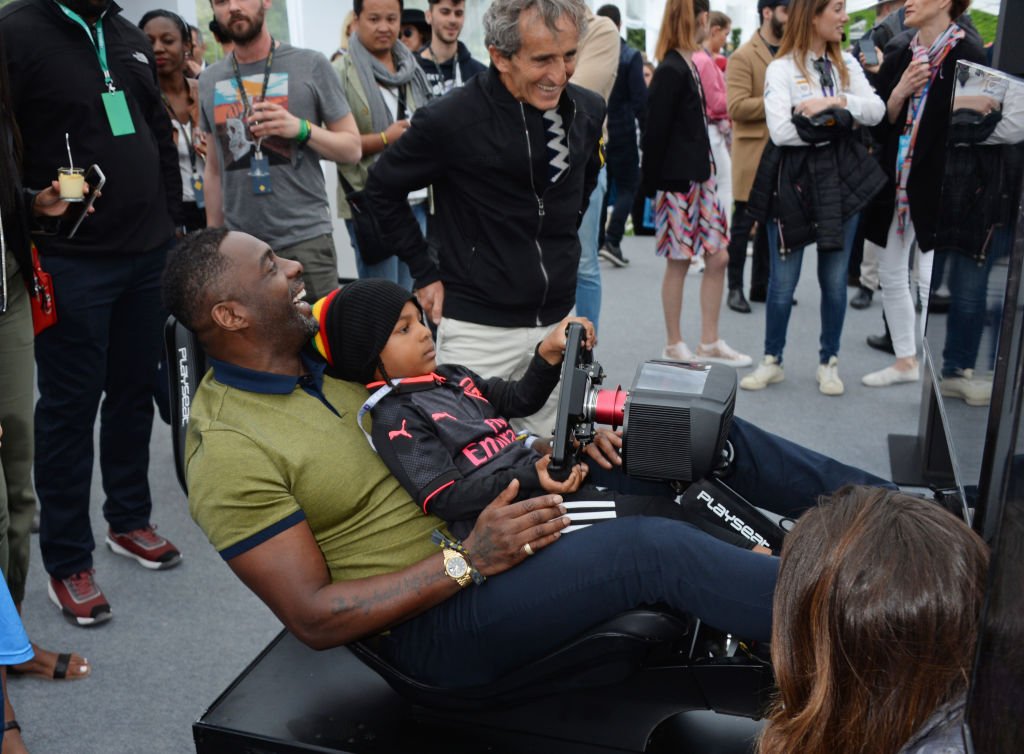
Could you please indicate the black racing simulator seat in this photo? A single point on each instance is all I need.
(645, 681)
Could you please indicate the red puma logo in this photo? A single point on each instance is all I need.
(470, 389)
(403, 432)
(442, 415)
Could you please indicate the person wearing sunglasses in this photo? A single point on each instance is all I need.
(415, 32)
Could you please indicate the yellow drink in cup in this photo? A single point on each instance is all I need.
(72, 184)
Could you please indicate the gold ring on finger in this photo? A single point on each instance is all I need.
(527, 549)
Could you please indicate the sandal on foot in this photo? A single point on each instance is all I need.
(60, 668)
(12, 725)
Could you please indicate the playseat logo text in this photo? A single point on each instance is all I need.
(735, 522)
(183, 384)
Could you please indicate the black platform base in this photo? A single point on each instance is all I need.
(908, 456)
(294, 699)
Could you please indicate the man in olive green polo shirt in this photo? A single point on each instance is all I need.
(287, 489)
(268, 430)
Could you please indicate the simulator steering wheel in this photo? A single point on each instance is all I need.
(579, 373)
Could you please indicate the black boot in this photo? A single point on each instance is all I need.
(882, 342)
(738, 302)
(862, 300)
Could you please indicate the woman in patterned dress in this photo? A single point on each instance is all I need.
(690, 221)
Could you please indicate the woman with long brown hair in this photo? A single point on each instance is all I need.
(814, 178)
(875, 622)
(679, 170)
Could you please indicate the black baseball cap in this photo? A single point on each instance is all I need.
(762, 4)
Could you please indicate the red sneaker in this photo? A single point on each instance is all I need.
(80, 599)
(147, 547)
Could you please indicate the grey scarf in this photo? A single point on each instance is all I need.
(372, 73)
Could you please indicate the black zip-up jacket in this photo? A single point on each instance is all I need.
(446, 437)
(509, 250)
(56, 83)
(812, 190)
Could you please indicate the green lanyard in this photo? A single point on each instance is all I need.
(99, 43)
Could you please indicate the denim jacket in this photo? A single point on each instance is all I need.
(941, 733)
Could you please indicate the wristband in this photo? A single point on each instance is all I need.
(444, 543)
(527, 438)
(305, 131)
(384, 138)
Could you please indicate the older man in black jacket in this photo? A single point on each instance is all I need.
(513, 157)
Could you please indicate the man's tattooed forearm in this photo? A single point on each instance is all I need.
(366, 604)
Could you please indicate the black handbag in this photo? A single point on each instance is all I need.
(369, 236)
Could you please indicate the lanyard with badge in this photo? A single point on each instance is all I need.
(828, 82)
(259, 165)
(443, 87)
(114, 101)
(909, 135)
(197, 178)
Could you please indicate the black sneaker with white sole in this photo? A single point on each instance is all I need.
(612, 252)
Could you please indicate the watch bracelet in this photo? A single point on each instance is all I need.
(439, 539)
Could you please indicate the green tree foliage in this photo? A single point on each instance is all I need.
(986, 23)
(637, 39)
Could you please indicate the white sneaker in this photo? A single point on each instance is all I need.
(828, 378)
(891, 376)
(768, 372)
(721, 352)
(963, 385)
(677, 352)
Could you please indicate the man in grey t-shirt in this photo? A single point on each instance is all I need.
(272, 111)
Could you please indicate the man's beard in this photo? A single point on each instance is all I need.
(453, 40)
(778, 27)
(254, 30)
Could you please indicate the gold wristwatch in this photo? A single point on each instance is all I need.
(457, 567)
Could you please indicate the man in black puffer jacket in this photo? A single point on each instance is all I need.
(513, 157)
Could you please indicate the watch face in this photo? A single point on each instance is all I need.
(456, 567)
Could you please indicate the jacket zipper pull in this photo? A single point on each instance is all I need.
(540, 206)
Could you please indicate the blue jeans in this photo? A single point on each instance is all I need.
(105, 346)
(392, 268)
(592, 575)
(968, 303)
(624, 173)
(588, 276)
(782, 279)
